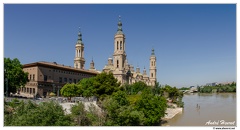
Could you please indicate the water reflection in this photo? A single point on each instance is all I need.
(202, 108)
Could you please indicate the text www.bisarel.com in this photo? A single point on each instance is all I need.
(224, 128)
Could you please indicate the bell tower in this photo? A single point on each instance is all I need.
(79, 60)
(153, 69)
(119, 55)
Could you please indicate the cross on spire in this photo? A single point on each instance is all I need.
(153, 52)
(79, 35)
(119, 31)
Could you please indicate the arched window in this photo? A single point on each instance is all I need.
(120, 45)
(117, 45)
(117, 64)
(152, 74)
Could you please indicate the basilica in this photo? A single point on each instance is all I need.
(118, 64)
(46, 77)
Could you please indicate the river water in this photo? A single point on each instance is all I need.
(215, 110)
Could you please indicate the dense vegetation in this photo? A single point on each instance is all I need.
(18, 113)
(231, 87)
(100, 86)
(127, 105)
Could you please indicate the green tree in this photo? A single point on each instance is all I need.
(152, 106)
(105, 84)
(31, 114)
(173, 92)
(14, 73)
(96, 116)
(135, 88)
(70, 90)
(86, 87)
(120, 112)
(184, 88)
(80, 114)
(157, 89)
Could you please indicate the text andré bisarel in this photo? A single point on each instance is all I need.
(220, 122)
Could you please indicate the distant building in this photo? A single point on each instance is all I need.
(212, 84)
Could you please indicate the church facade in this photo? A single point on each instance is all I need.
(122, 70)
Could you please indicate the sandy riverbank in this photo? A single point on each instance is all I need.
(171, 112)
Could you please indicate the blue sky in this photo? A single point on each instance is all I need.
(194, 44)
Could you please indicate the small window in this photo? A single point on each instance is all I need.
(65, 80)
(33, 77)
(117, 45)
(74, 80)
(152, 74)
(117, 64)
(70, 80)
(60, 79)
(30, 77)
(120, 45)
(45, 77)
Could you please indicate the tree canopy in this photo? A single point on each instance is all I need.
(100, 86)
(70, 90)
(152, 106)
(15, 75)
(105, 84)
(31, 114)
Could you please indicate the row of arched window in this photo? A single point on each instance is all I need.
(153, 63)
(120, 45)
(78, 53)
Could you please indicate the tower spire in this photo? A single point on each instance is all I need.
(119, 31)
(153, 52)
(92, 65)
(79, 60)
(79, 35)
(144, 71)
(153, 69)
